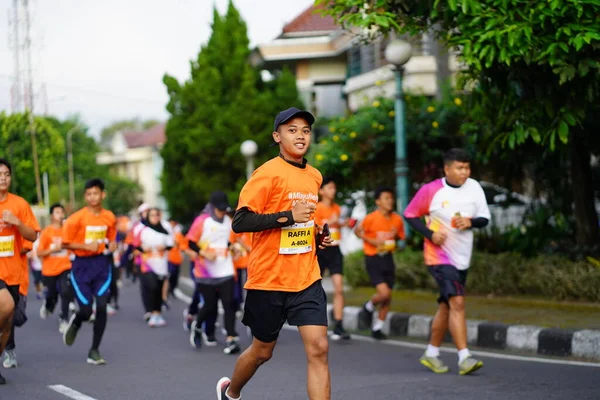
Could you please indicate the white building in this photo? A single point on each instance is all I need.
(136, 155)
(336, 72)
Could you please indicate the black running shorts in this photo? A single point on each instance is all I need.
(331, 258)
(451, 281)
(381, 269)
(266, 311)
(13, 290)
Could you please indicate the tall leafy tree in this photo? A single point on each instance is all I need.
(534, 67)
(223, 103)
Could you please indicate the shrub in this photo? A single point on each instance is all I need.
(505, 274)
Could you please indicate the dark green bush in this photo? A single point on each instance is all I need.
(505, 274)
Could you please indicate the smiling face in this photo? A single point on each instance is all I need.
(294, 138)
(5, 178)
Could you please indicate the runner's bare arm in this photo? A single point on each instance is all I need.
(26, 231)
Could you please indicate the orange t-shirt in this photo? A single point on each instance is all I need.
(378, 226)
(322, 215)
(282, 259)
(241, 262)
(85, 227)
(175, 256)
(54, 263)
(11, 241)
(27, 246)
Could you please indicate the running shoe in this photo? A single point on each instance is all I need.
(209, 341)
(94, 358)
(62, 325)
(110, 310)
(222, 387)
(44, 313)
(147, 317)
(160, 321)
(232, 347)
(10, 359)
(70, 332)
(469, 365)
(434, 363)
(340, 333)
(187, 321)
(196, 335)
(378, 335)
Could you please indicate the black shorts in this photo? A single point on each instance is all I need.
(266, 311)
(331, 258)
(12, 289)
(451, 281)
(381, 269)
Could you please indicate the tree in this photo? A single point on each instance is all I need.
(222, 104)
(534, 68)
(108, 132)
(16, 147)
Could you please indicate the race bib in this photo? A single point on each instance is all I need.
(297, 238)
(389, 246)
(7, 246)
(221, 252)
(95, 234)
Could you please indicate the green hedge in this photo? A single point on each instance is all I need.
(505, 274)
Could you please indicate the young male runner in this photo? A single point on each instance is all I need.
(277, 204)
(331, 258)
(379, 231)
(17, 223)
(56, 267)
(86, 233)
(453, 206)
(20, 315)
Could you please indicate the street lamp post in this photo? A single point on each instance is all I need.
(398, 52)
(70, 166)
(249, 148)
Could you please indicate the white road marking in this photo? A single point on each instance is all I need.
(400, 343)
(70, 393)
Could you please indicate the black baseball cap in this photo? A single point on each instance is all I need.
(219, 201)
(290, 113)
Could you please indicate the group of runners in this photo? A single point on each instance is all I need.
(264, 260)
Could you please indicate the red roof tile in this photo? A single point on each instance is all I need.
(311, 21)
(150, 137)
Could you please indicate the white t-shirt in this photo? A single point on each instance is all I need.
(34, 261)
(214, 235)
(439, 203)
(148, 237)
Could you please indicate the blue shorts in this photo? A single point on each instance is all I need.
(91, 277)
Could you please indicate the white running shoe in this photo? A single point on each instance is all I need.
(62, 325)
(44, 313)
(10, 359)
(110, 310)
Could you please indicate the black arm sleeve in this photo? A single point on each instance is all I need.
(194, 246)
(245, 220)
(479, 222)
(418, 225)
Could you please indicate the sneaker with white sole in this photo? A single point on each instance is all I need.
(196, 335)
(94, 358)
(209, 341)
(222, 387)
(62, 325)
(10, 359)
(44, 313)
(160, 321)
(232, 347)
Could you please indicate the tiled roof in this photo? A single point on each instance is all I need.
(311, 21)
(151, 137)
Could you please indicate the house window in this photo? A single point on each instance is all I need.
(367, 55)
(354, 65)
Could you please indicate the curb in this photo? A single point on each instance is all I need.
(534, 339)
(583, 343)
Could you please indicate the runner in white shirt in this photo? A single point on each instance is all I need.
(153, 240)
(452, 206)
(208, 246)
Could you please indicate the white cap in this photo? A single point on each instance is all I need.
(143, 207)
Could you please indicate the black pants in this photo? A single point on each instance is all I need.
(173, 277)
(55, 286)
(152, 285)
(211, 294)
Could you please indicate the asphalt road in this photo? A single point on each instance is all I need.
(159, 363)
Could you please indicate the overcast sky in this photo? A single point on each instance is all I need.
(105, 59)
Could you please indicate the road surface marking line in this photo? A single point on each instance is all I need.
(187, 299)
(70, 393)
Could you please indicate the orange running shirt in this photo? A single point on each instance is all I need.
(323, 214)
(246, 238)
(282, 259)
(84, 227)
(175, 256)
(378, 226)
(11, 269)
(54, 263)
(26, 247)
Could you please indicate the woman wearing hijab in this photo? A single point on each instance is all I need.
(153, 241)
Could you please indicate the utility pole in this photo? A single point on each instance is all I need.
(30, 102)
